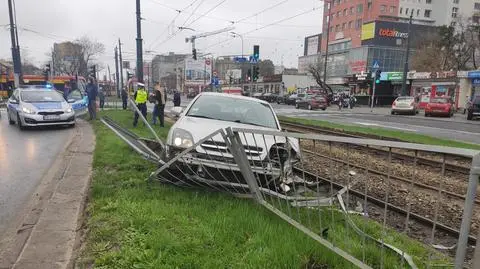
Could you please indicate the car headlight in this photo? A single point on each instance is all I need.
(182, 138)
(69, 110)
(27, 110)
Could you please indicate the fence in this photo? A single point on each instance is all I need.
(377, 204)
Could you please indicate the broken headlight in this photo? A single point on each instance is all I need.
(182, 138)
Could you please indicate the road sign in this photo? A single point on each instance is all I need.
(253, 60)
(376, 64)
(240, 59)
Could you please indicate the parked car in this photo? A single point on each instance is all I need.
(312, 102)
(282, 99)
(440, 106)
(269, 97)
(257, 95)
(405, 104)
(291, 100)
(209, 112)
(35, 106)
(473, 109)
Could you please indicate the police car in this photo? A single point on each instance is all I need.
(39, 106)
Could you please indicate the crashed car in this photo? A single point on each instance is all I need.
(270, 157)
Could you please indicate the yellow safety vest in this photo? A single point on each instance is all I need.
(141, 96)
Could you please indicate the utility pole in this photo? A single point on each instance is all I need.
(17, 65)
(328, 39)
(139, 45)
(117, 76)
(121, 63)
(407, 55)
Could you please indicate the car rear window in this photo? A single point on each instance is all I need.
(440, 100)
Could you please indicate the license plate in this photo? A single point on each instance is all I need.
(51, 117)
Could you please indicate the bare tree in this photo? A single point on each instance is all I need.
(316, 70)
(90, 50)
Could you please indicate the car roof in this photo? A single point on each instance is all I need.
(233, 96)
(34, 88)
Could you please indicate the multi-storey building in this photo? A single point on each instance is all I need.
(439, 12)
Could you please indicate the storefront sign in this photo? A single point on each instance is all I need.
(394, 76)
(358, 66)
(474, 74)
(391, 33)
(419, 75)
(336, 81)
(476, 82)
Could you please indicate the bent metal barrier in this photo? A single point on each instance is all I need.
(373, 210)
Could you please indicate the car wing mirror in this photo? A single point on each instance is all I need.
(177, 111)
(71, 100)
(13, 101)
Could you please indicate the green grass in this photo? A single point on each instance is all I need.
(133, 224)
(381, 132)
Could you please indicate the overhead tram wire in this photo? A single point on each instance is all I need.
(262, 11)
(265, 26)
(173, 20)
(193, 12)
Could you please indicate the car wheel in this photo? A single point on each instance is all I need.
(324, 108)
(309, 107)
(470, 116)
(19, 123)
(426, 114)
(392, 113)
(10, 121)
(296, 106)
(416, 112)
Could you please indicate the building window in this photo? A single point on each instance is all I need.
(350, 23)
(456, 1)
(418, 12)
(428, 12)
(406, 11)
(392, 9)
(345, 12)
(454, 12)
(359, 8)
(344, 25)
(383, 8)
(337, 28)
(477, 6)
(358, 24)
(428, 1)
(476, 19)
(369, 5)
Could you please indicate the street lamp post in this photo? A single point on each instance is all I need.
(329, 17)
(241, 73)
(407, 55)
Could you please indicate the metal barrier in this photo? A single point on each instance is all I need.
(377, 204)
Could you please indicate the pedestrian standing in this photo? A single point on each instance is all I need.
(154, 100)
(124, 98)
(140, 97)
(176, 98)
(92, 93)
(101, 96)
(161, 98)
(66, 90)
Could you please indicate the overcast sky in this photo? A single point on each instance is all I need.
(43, 22)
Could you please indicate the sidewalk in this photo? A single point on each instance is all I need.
(49, 234)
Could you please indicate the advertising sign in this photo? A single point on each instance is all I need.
(391, 76)
(474, 74)
(313, 45)
(476, 82)
(358, 66)
(393, 34)
(368, 31)
(197, 71)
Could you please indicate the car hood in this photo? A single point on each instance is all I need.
(45, 105)
(200, 128)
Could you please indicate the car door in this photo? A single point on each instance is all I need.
(78, 101)
(12, 105)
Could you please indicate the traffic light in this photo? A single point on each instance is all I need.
(194, 52)
(93, 71)
(249, 74)
(46, 71)
(129, 75)
(256, 52)
(378, 74)
(256, 73)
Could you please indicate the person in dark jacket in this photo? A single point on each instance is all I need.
(124, 98)
(176, 98)
(101, 96)
(160, 100)
(92, 93)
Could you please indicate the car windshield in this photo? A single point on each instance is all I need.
(41, 96)
(439, 100)
(234, 110)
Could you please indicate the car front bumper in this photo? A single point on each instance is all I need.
(39, 120)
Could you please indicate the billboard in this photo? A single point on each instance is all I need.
(198, 71)
(393, 34)
(312, 45)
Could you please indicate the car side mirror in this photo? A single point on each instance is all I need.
(177, 111)
(13, 101)
(71, 100)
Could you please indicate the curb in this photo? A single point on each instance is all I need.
(48, 234)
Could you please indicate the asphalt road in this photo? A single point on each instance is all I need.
(25, 156)
(456, 128)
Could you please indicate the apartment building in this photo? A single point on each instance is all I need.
(438, 12)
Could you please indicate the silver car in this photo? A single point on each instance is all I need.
(37, 106)
(405, 105)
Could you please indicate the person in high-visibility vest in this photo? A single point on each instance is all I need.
(141, 98)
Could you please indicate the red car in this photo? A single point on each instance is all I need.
(440, 106)
(312, 102)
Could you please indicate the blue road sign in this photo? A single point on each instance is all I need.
(376, 64)
(253, 60)
(240, 59)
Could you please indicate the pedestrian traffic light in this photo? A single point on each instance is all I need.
(256, 73)
(256, 52)
(93, 71)
(194, 52)
(378, 74)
